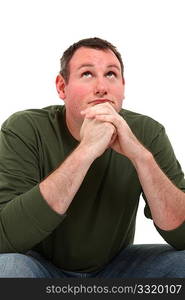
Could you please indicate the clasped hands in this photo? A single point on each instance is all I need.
(121, 138)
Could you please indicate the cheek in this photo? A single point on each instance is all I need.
(76, 99)
(79, 92)
(119, 92)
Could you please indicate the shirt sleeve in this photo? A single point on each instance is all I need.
(165, 157)
(25, 217)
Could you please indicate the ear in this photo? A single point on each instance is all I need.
(123, 80)
(123, 88)
(60, 86)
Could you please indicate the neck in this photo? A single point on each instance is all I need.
(74, 128)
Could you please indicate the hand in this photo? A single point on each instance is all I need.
(123, 141)
(96, 136)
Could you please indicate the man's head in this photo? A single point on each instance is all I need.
(94, 43)
(91, 73)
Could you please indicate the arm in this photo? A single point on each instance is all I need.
(25, 216)
(59, 188)
(22, 225)
(166, 201)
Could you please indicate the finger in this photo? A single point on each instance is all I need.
(87, 114)
(93, 114)
(112, 140)
(108, 118)
(83, 112)
(98, 109)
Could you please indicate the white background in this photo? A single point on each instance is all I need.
(149, 34)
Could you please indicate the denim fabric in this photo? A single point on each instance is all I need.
(135, 261)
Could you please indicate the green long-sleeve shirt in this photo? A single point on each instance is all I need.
(100, 221)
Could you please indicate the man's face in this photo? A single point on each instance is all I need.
(95, 77)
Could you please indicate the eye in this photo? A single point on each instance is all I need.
(111, 74)
(86, 74)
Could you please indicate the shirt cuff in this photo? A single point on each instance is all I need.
(175, 237)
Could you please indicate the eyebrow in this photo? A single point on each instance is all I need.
(91, 65)
(113, 66)
(85, 65)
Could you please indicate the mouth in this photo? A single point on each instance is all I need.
(99, 101)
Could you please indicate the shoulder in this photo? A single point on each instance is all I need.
(33, 125)
(31, 118)
(143, 126)
(134, 118)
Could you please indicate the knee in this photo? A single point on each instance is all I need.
(13, 265)
(176, 257)
(176, 263)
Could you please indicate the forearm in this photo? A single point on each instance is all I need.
(166, 201)
(60, 187)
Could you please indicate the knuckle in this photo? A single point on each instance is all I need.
(109, 126)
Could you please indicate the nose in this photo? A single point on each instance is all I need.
(100, 88)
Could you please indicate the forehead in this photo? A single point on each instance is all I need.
(96, 57)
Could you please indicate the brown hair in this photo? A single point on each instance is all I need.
(95, 43)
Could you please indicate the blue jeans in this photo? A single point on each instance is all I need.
(135, 261)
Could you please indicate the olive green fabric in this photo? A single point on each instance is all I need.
(101, 218)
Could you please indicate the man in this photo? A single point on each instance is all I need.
(71, 177)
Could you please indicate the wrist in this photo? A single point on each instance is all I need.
(141, 157)
(85, 153)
